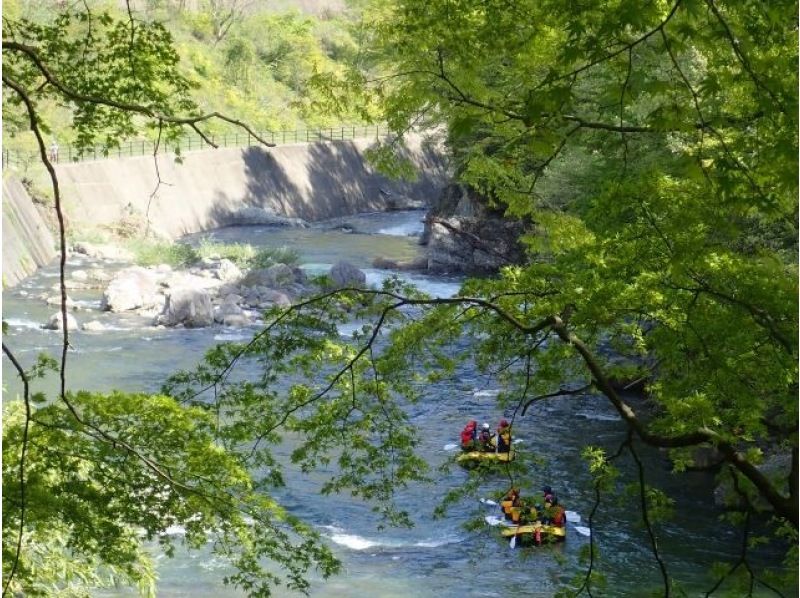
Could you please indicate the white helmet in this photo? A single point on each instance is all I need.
(485, 426)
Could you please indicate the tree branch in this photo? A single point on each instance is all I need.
(150, 111)
(23, 455)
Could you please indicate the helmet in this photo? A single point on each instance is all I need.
(547, 490)
(485, 426)
(503, 423)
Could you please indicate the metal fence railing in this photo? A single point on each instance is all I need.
(68, 153)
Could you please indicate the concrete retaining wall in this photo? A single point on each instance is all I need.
(27, 242)
(312, 181)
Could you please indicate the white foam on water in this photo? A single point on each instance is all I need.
(231, 337)
(518, 441)
(353, 542)
(487, 501)
(408, 229)
(573, 517)
(22, 323)
(599, 417)
(435, 543)
(583, 531)
(495, 520)
(492, 392)
(450, 447)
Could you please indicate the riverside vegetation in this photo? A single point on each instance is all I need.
(650, 151)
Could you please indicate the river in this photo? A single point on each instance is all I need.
(437, 557)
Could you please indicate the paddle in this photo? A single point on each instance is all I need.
(513, 542)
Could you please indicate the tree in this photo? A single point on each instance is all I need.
(89, 476)
(652, 148)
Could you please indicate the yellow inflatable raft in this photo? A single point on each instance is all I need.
(528, 532)
(475, 456)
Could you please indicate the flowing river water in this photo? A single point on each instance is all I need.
(438, 557)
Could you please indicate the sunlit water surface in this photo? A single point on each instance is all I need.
(436, 558)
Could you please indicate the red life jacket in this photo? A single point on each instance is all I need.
(466, 436)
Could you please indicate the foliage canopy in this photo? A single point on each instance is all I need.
(652, 149)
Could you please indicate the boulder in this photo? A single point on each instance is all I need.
(98, 275)
(384, 263)
(227, 271)
(190, 307)
(233, 298)
(276, 276)
(227, 309)
(130, 289)
(236, 321)
(54, 323)
(105, 252)
(345, 274)
(271, 298)
(56, 300)
(93, 326)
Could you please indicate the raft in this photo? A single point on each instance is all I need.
(474, 456)
(528, 532)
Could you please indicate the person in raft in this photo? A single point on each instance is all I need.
(553, 513)
(469, 435)
(485, 439)
(510, 503)
(503, 438)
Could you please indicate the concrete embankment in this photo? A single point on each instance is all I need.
(311, 181)
(27, 242)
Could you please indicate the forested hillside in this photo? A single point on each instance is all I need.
(253, 59)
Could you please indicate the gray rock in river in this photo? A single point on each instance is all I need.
(227, 309)
(131, 288)
(54, 323)
(345, 274)
(105, 252)
(274, 277)
(190, 307)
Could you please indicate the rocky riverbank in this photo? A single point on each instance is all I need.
(213, 290)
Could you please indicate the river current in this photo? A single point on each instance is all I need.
(438, 557)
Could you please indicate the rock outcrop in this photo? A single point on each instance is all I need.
(464, 235)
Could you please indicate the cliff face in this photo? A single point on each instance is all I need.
(463, 235)
(27, 242)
